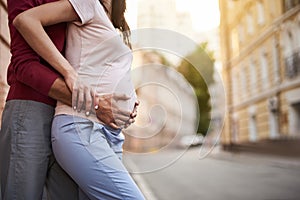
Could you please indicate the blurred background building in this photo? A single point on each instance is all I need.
(174, 120)
(165, 15)
(168, 108)
(260, 43)
(4, 53)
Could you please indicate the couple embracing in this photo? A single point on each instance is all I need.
(68, 61)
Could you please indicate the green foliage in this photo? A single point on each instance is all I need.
(198, 69)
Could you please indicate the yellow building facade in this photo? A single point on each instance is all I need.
(260, 44)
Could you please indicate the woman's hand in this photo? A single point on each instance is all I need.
(82, 96)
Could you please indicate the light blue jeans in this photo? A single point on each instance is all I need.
(91, 154)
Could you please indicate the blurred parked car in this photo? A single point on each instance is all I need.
(190, 140)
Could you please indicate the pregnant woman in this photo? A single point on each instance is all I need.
(99, 59)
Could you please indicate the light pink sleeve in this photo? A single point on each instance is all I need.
(85, 9)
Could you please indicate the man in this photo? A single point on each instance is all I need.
(26, 158)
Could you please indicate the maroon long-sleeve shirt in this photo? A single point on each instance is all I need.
(29, 76)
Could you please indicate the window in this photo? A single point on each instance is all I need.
(243, 82)
(287, 39)
(260, 13)
(276, 66)
(253, 76)
(252, 128)
(234, 41)
(235, 127)
(241, 33)
(290, 44)
(289, 4)
(273, 8)
(234, 85)
(230, 4)
(250, 27)
(264, 69)
(296, 29)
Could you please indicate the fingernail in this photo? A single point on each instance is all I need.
(96, 107)
(87, 113)
(74, 107)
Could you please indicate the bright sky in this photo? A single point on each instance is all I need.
(205, 13)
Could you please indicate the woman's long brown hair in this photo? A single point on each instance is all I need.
(118, 18)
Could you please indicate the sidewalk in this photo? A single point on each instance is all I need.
(285, 147)
(281, 153)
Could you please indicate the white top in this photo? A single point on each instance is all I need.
(97, 52)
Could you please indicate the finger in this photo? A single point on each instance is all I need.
(103, 97)
(120, 114)
(118, 97)
(122, 117)
(74, 97)
(106, 98)
(133, 114)
(80, 99)
(137, 102)
(120, 122)
(116, 111)
(130, 121)
(96, 101)
(88, 101)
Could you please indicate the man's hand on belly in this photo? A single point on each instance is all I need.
(108, 112)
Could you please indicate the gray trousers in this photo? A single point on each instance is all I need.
(27, 163)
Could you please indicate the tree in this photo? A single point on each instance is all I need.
(198, 69)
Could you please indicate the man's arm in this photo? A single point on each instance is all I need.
(61, 92)
(26, 65)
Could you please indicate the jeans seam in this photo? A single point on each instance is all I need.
(21, 112)
(21, 116)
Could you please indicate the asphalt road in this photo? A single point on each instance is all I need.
(177, 175)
